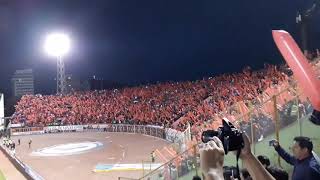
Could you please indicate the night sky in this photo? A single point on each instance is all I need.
(143, 41)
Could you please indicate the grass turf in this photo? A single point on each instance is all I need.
(2, 176)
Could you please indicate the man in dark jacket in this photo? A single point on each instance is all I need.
(305, 164)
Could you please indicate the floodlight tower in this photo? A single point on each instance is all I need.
(58, 45)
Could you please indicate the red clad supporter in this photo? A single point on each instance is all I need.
(170, 104)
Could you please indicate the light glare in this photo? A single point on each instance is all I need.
(57, 44)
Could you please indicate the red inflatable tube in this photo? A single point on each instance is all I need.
(302, 70)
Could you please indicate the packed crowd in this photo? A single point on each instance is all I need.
(259, 123)
(227, 90)
(164, 104)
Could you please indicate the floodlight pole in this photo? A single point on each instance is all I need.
(61, 78)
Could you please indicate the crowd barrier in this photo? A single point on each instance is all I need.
(168, 134)
(26, 131)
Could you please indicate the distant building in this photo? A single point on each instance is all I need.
(22, 82)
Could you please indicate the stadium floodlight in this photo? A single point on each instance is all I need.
(58, 45)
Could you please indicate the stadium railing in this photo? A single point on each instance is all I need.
(184, 165)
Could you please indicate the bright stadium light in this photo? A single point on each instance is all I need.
(58, 45)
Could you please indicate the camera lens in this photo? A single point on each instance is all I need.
(208, 135)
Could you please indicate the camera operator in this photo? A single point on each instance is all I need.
(305, 164)
(212, 158)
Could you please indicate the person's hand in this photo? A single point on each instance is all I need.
(275, 143)
(211, 159)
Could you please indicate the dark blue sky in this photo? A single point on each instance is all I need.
(144, 40)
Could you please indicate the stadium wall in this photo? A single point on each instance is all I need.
(168, 134)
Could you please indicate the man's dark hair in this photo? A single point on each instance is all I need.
(277, 173)
(264, 160)
(304, 142)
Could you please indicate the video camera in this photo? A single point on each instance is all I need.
(229, 135)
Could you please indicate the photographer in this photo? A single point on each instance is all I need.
(212, 157)
(305, 164)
